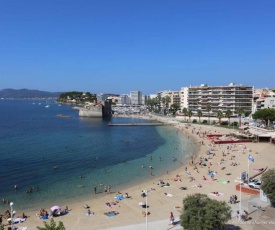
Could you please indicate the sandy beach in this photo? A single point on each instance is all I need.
(226, 161)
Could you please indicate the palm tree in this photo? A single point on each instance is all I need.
(190, 114)
(167, 101)
(52, 226)
(208, 109)
(184, 111)
(219, 116)
(199, 113)
(240, 111)
(228, 114)
(175, 107)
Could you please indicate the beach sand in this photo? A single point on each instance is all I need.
(159, 204)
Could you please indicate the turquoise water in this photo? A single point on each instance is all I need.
(62, 159)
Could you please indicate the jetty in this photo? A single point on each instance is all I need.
(138, 124)
(63, 116)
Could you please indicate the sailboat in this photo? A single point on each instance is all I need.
(47, 106)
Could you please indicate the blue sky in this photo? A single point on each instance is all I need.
(115, 46)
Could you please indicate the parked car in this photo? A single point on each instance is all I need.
(255, 184)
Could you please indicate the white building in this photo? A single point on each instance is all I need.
(269, 102)
(220, 98)
(124, 99)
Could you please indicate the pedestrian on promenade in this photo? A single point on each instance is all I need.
(172, 218)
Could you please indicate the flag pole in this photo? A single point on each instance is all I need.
(248, 170)
(240, 205)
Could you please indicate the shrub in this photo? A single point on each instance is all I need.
(235, 123)
(268, 184)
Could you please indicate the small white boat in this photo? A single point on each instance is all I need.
(47, 106)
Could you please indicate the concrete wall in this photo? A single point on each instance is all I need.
(97, 110)
(91, 111)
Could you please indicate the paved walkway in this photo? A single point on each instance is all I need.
(156, 225)
(261, 217)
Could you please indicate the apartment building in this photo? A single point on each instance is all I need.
(220, 98)
(124, 99)
(136, 97)
(263, 98)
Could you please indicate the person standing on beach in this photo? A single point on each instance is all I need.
(109, 189)
(95, 189)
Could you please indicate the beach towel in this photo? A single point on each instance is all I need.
(196, 186)
(223, 181)
(219, 194)
(188, 172)
(17, 220)
(119, 197)
(169, 195)
(110, 214)
(166, 186)
(87, 214)
(22, 228)
(212, 173)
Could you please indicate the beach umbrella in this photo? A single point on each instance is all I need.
(56, 207)
(141, 203)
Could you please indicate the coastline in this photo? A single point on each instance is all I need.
(130, 211)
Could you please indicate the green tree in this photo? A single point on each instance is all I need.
(184, 111)
(201, 212)
(265, 114)
(175, 107)
(219, 116)
(208, 109)
(52, 225)
(268, 184)
(228, 114)
(190, 114)
(199, 114)
(240, 111)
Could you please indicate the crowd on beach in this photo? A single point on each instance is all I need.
(210, 171)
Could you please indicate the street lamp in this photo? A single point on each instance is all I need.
(240, 203)
(146, 213)
(13, 212)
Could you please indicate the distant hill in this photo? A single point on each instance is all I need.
(27, 93)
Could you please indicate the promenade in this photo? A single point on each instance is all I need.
(259, 218)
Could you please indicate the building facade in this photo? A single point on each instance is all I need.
(124, 99)
(219, 98)
(136, 97)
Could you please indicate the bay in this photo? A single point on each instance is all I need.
(62, 159)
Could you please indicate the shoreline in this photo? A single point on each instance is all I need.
(130, 211)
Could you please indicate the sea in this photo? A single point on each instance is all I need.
(63, 159)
